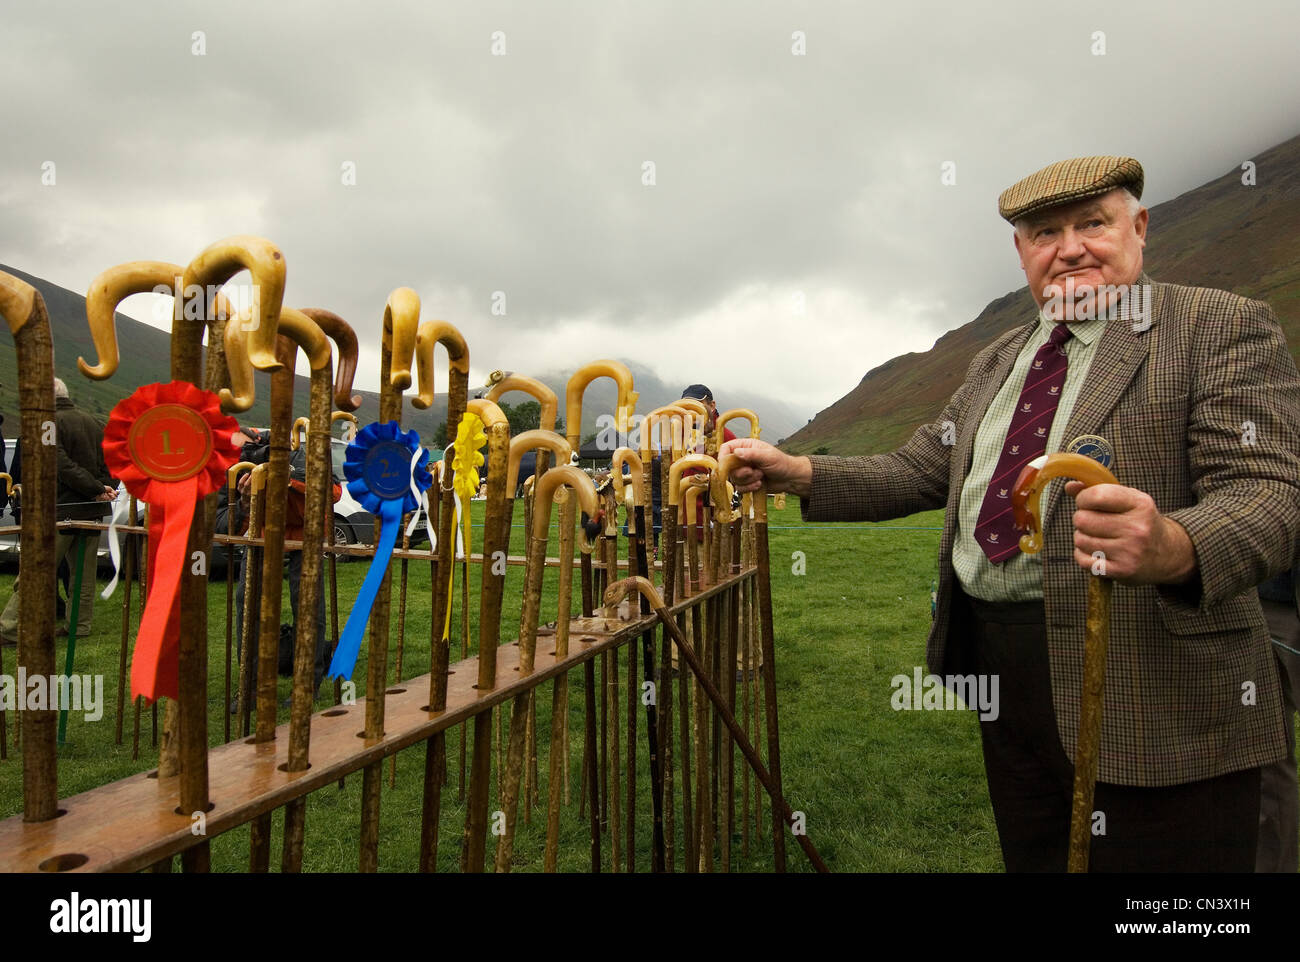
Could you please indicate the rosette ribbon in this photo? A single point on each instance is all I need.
(466, 458)
(170, 445)
(387, 473)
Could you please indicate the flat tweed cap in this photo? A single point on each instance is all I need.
(1069, 180)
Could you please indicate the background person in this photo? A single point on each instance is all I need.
(85, 493)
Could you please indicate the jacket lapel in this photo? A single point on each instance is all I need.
(1120, 353)
(979, 405)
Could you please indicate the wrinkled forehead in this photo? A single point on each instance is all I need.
(1109, 205)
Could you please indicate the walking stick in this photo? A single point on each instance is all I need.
(496, 538)
(640, 500)
(768, 641)
(1025, 498)
(609, 708)
(582, 487)
(502, 383)
(79, 546)
(298, 330)
(428, 335)
(625, 406)
(4, 724)
(345, 341)
(400, 328)
(558, 783)
(232, 479)
(672, 417)
(589, 788)
(547, 443)
(349, 432)
(700, 840)
(106, 291)
(214, 266)
(276, 495)
(252, 575)
(702, 639)
(613, 595)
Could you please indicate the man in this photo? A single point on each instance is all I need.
(84, 494)
(1196, 396)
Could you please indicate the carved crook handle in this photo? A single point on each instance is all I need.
(1028, 492)
(431, 334)
(218, 263)
(577, 386)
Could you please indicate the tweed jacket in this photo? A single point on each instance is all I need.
(1203, 410)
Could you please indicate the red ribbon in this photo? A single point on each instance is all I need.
(170, 445)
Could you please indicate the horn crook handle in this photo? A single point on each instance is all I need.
(577, 386)
(345, 339)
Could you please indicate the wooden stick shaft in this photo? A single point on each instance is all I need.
(128, 575)
(269, 600)
(316, 502)
(496, 537)
(1088, 747)
(768, 639)
(747, 749)
(560, 693)
(519, 715)
(35, 355)
(390, 409)
(192, 661)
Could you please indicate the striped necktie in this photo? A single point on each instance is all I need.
(1026, 439)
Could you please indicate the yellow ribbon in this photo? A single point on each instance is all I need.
(465, 462)
(470, 437)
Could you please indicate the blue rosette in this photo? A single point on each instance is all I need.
(387, 471)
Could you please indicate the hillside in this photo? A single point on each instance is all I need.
(1222, 234)
(145, 357)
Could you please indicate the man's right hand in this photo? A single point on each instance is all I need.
(765, 463)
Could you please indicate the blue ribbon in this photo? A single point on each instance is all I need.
(381, 479)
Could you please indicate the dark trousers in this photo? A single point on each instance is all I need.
(1205, 826)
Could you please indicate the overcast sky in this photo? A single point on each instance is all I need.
(782, 180)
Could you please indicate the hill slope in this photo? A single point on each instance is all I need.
(145, 358)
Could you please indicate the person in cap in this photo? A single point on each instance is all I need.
(85, 493)
(1192, 395)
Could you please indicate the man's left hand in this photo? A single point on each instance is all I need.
(1140, 546)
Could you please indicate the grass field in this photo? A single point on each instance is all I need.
(882, 790)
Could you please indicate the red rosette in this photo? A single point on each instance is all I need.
(170, 445)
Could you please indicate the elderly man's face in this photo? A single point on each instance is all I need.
(1082, 246)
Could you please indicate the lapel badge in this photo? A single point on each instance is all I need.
(1095, 447)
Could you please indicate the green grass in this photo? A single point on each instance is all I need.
(881, 790)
